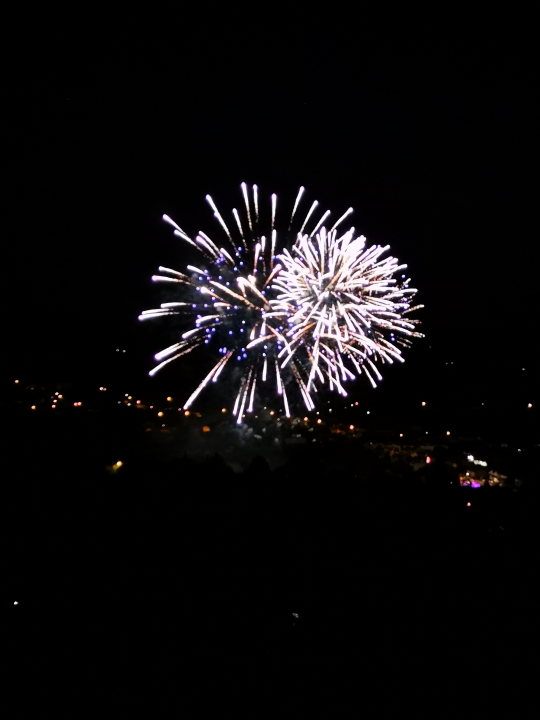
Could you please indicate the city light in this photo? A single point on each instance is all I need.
(160, 414)
(119, 463)
(468, 504)
(529, 405)
(223, 410)
(169, 399)
(423, 404)
(351, 427)
(428, 459)
(400, 434)
(470, 458)
(319, 421)
(186, 413)
(16, 381)
(448, 432)
(271, 412)
(205, 428)
(60, 397)
(305, 419)
(138, 402)
(33, 407)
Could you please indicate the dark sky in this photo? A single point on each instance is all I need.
(434, 145)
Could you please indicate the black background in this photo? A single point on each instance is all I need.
(426, 124)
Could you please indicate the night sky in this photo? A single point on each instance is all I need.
(435, 147)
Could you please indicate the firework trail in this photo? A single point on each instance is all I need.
(318, 310)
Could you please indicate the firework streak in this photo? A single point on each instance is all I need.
(315, 309)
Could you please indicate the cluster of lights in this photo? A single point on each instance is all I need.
(472, 459)
(77, 404)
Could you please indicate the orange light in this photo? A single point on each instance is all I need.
(53, 407)
(205, 428)
(129, 397)
(186, 413)
(400, 434)
(169, 399)
(138, 402)
(423, 404)
(223, 410)
(271, 412)
(74, 404)
(79, 403)
(16, 381)
(351, 427)
(448, 432)
(428, 459)
(160, 414)
(60, 397)
(305, 419)
(119, 463)
(33, 407)
(319, 421)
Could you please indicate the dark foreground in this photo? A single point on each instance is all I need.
(150, 579)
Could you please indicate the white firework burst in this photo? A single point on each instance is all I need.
(344, 307)
(323, 311)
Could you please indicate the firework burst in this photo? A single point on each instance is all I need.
(322, 312)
